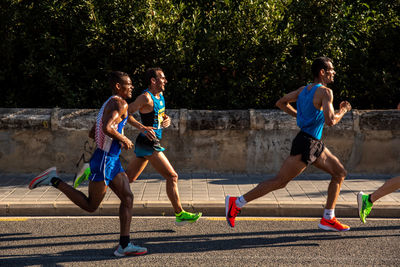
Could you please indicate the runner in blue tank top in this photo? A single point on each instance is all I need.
(309, 119)
(314, 108)
(105, 165)
(151, 106)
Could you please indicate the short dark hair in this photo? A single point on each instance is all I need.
(152, 73)
(319, 64)
(115, 77)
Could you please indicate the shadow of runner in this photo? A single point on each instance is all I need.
(56, 259)
(208, 242)
(10, 238)
(184, 244)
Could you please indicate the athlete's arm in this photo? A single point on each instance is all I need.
(113, 112)
(284, 102)
(139, 103)
(332, 118)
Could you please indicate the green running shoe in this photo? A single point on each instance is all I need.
(185, 217)
(82, 175)
(364, 206)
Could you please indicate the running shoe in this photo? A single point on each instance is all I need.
(364, 206)
(185, 217)
(333, 225)
(44, 178)
(231, 210)
(130, 250)
(82, 175)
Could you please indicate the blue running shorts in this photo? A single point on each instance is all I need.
(104, 166)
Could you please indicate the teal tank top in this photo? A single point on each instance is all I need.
(156, 117)
(309, 119)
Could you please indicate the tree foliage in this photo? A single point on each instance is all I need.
(221, 54)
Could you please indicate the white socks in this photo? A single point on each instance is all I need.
(329, 214)
(240, 202)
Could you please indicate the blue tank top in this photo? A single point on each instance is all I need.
(156, 117)
(103, 141)
(309, 119)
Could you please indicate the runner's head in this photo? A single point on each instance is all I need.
(120, 84)
(322, 69)
(156, 79)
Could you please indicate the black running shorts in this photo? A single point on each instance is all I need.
(145, 147)
(309, 147)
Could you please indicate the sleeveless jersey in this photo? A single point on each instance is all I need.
(156, 117)
(103, 141)
(309, 119)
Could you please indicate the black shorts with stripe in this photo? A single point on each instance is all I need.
(309, 147)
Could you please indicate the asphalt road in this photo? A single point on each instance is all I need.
(90, 241)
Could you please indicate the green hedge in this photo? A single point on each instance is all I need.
(216, 54)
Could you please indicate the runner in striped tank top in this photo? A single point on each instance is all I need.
(105, 165)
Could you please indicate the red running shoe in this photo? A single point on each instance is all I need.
(333, 225)
(231, 210)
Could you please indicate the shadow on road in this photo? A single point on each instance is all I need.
(176, 244)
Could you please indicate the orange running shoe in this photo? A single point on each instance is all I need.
(333, 225)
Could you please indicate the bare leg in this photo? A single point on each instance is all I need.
(97, 191)
(162, 165)
(291, 168)
(135, 168)
(120, 186)
(388, 187)
(331, 164)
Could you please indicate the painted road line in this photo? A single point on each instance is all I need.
(266, 219)
(12, 219)
(173, 217)
(293, 219)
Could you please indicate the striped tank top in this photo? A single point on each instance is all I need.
(103, 141)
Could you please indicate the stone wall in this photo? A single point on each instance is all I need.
(201, 141)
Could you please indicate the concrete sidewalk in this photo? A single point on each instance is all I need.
(304, 196)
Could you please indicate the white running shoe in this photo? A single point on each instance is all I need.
(130, 250)
(44, 178)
